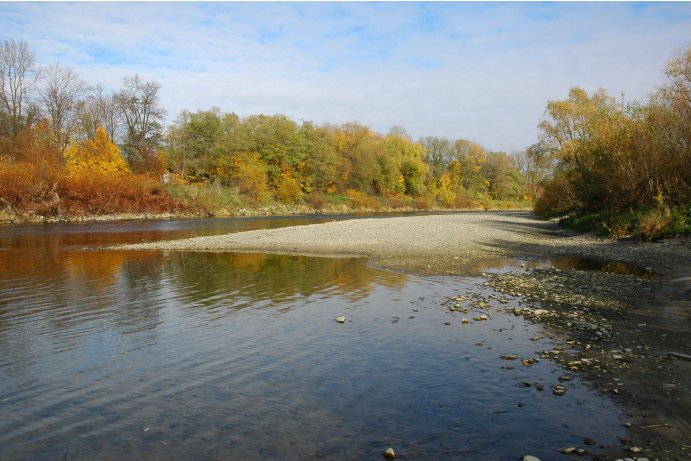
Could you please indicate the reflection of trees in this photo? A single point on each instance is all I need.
(46, 289)
(211, 278)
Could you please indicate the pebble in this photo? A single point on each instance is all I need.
(389, 453)
(340, 319)
(530, 458)
(465, 321)
(559, 390)
(568, 451)
(509, 357)
(590, 442)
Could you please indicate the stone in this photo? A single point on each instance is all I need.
(635, 450)
(517, 311)
(509, 357)
(465, 321)
(590, 442)
(580, 451)
(530, 458)
(559, 390)
(340, 319)
(389, 453)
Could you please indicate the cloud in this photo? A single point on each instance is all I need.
(480, 71)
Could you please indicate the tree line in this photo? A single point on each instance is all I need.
(625, 166)
(68, 147)
(59, 130)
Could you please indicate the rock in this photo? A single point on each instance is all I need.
(389, 453)
(580, 451)
(509, 357)
(568, 451)
(559, 390)
(635, 450)
(517, 311)
(589, 442)
(528, 362)
(566, 378)
(530, 458)
(340, 319)
(480, 318)
(642, 459)
(465, 321)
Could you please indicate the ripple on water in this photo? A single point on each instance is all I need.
(237, 356)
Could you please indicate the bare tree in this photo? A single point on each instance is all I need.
(18, 76)
(139, 105)
(99, 109)
(60, 96)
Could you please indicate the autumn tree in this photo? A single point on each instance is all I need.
(99, 156)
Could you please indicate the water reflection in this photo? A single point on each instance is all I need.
(184, 355)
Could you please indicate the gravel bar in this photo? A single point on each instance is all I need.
(440, 244)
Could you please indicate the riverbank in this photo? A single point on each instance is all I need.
(620, 327)
(10, 217)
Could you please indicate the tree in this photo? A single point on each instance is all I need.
(60, 95)
(18, 77)
(97, 156)
(439, 154)
(139, 105)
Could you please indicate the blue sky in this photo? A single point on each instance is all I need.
(479, 71)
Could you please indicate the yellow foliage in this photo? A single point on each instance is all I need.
(251, 178)
(97, 156)
(289, 190)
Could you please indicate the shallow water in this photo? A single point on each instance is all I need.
(151, 355)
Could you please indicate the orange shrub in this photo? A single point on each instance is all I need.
(105, 194)
(25, 187)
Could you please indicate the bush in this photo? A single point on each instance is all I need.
(558, 197)
(318, 201)
(106, 194)
(361, 201)
(652, 224)
(28, 187)
(422, 203)
(289, 191)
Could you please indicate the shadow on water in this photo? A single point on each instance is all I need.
(182, 355)
(581, 263)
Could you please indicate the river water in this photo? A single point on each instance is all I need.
(157, 356)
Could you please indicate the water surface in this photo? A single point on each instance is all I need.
(182, 355)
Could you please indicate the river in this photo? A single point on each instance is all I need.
(183, 355)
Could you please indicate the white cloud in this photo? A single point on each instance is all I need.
(472, 70)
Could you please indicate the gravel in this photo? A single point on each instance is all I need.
(441, 244)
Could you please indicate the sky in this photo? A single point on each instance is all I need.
(477, 71)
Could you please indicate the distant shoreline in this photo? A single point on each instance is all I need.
(280, 210)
